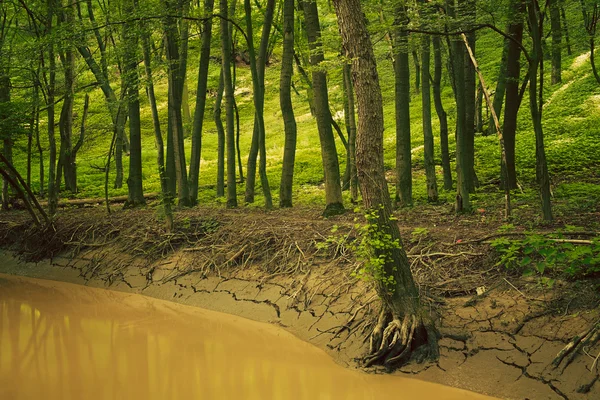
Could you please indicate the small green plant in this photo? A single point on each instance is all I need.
(370, 244)
(418, 235)
(535, 254)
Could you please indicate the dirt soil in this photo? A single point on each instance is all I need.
(500, 331)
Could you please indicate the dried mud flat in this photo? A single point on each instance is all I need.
(273, 268)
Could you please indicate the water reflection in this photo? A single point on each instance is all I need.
(61, 341)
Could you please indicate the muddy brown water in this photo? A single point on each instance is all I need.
(65, 341)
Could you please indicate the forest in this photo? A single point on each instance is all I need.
(431, 148)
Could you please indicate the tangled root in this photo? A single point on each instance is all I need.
(580, 344)
(395, 340)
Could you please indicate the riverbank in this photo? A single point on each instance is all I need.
(291, 270)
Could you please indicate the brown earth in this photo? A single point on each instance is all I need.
(500, 332)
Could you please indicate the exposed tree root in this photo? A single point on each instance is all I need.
(580, 344)
(395, 340)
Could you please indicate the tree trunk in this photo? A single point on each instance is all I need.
(401, 328)
(175, 98)
(513, 72)
(229, 115)
(536, 21)
(287, 110)
(402, 109)
(432, 191)
(331, 168)
(351, 125)
(463, 202)
(200, 101)
(50, 90)
(130, 42)
(468, 7)
(566, 27)
(556, 41)
(441, 113)
(417, 71)
(220, 138)
(500, 84)
(257, 66)
(167, 196)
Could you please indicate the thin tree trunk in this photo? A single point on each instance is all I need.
(513, 72)
(167, 196)
(432, 191)
(415, 55)
(175, 76)
(500, 84)
(566, 27)
(287, 109)
(463, 202)
(229, 113)
(441, 113)
(536, 21)
(351, 124)
(200, 101)
(52, 190)
(220, 138)
(556, 41)
(134, 181)
(402, 109)
(470, 97)
(331, 169)
(257, 66)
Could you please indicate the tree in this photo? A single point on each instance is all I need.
(441, 113)
(257, 67)
(349, 114)
(401, 328)
(513, 99)
(432, 191)
(229, 116)
(175, 118)
(130, 37)
(200, 101)
(556, 31)
(402, 102)
(331, 168)
(536, 28)
(287, 110)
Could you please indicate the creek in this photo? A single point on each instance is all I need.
(65, 341)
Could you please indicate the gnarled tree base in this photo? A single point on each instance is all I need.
(396, 339)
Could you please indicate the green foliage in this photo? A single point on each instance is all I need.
(539, 255)
(371, 245)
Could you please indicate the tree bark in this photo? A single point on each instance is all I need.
(468, 6)
(536, 21)
(229, 116)
(402, 109)
(556, 28)
(167, 196)
(351, 125)
(331, 169)
(259, 133)
(220, 138)
(175, 98)
(287, 110)
(200, 101)
(463, 202)
(401, 310)
(513, 72)
(134, 181)
(500, 84)
(432, 190)
(441, 113)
